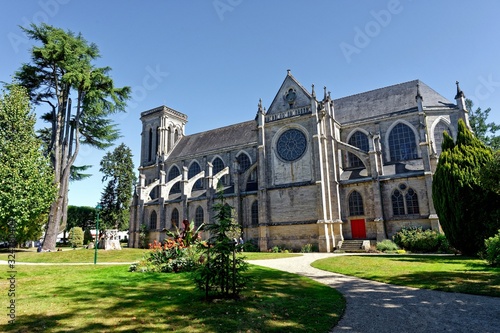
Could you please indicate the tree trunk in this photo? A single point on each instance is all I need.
(52, 229)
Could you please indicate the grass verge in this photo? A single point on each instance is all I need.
(123, 255)
(77, 256)
(446, 273)
(111, 299)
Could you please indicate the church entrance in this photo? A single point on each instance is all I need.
(358, 229)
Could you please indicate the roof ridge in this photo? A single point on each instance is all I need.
(220, 128)
(391, 86)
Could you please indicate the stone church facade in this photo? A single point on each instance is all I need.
(304, 171)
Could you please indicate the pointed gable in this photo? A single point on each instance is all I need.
(291, 95)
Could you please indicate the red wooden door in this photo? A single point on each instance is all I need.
(358, 229)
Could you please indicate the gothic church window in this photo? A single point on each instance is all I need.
(175, 218)
(244, 162)
(411, 200)
(359, 140)
(402, 145)
(153, 221)
(252, 181)
(404, 201)
(356, 204)
(291, 145)
(255, 213)
(218, 166)
(198, 216)
(439, 129)
(157, 141)
(173, 173)
(195, 169)
(150, 144)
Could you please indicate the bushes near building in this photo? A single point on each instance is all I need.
(387, 246)
(415, 239)
(76, 237)
(492, 252)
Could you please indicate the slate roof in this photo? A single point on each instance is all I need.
(217, 139)
(399, 97)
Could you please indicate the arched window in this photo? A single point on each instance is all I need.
(173, 173)
(157, 141)
(175, 218)
(411, 200)
(195, 169)
(169, 138)
(153, 221)
(218, 166)
(398, 206)
(198, 216)
(244, 162)
(405, 201)
(439, 129)
(176, 135)
(252, 184)
(150, 144)
(359, 140)
(402, 145)
(255, 213)
(356, 204)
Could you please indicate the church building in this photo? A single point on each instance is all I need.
(307, 170)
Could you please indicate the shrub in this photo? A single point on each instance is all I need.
(222, 273)
(308, 248)
(172, 256)
(76, 237)
(416, 239)
(492, 252)
(87, 236)
(250, 246)
(387, 245)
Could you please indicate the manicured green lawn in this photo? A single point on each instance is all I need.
(77, 256)
(110, 299)
(123, 255)
(447, 273)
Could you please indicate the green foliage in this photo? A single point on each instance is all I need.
(171, 257)
(77, 98)
(387, 246)
(189, 235)
(467, 211)
(26, 179)
(415, 239)
(222, 272)
(490, 174)
(118, 167)
(483, 130)
(250, 246)
(80, 216)
(76, 237)
(308, 248)
(87, 236)
(492, 252)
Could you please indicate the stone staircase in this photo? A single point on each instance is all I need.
(354, 245)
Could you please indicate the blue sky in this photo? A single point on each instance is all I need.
(214, 59)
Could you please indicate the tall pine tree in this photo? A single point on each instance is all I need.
(467, 210)
(78, 97)
(118, 167)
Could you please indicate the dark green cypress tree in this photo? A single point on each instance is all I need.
(467, 210)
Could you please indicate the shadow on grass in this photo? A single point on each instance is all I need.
(104, 299)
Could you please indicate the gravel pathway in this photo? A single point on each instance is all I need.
(379, 307)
